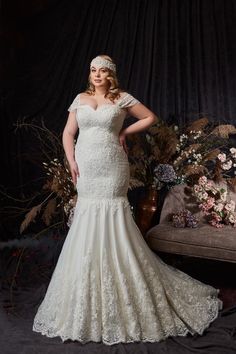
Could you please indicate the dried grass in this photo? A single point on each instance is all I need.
(194, 170)
(30, 217)
(224, 130)
(49, 211)
(167, 141)
(198, 125)
(211, 155)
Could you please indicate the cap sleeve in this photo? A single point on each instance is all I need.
(128, 101)
(74, 104)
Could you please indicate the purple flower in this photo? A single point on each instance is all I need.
(165, 173)
(184, 218)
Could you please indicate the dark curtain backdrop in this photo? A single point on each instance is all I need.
(176, 56)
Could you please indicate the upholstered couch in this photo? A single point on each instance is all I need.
(204, 241)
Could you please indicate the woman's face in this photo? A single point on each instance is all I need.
(98, 76)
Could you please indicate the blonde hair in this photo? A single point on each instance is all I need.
(113, 91)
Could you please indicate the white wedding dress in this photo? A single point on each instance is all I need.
(108, 285)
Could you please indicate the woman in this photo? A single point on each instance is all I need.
(108, 285)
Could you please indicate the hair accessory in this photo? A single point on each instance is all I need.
(103, 63)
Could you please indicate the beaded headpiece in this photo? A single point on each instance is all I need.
(103, 63)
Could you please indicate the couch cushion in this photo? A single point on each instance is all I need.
(205, 241)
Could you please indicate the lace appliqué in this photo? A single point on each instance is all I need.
(128, 101)
(126, 301)
(107, 204)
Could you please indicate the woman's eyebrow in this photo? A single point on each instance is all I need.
(93, 67)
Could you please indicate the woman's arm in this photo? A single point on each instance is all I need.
(145, 116)
(146, 119)
(68, 136)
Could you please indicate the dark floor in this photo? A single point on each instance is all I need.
(19, 301)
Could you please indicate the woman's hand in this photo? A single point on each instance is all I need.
(122, 139)
(74, 170)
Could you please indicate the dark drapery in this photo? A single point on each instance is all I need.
(176, 56)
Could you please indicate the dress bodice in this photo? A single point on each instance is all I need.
(108, 117)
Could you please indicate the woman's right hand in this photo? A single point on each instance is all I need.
(74, 170)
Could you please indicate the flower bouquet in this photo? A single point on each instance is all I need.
(214, 203)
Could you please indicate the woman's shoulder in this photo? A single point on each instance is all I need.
(127, 100)
(123, 93)
(84, 93)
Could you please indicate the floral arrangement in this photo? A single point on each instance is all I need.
(184, 218)
(52, 205)
(214, 202)
(168, 155)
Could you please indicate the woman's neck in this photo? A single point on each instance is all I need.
(100, 91)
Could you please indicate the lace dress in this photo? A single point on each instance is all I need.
(108, 285)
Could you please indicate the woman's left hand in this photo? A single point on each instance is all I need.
(122, 139)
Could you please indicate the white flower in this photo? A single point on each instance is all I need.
(204, 195)
(232, 218)
(177, 147)
(233, 151)
(230, 206)
(208, 186)
(227, 165)
(183, 137)
(219, 207)
(223, 196)
(222, 157)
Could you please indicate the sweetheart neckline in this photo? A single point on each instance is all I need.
(101, 105)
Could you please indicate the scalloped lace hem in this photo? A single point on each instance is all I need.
(181, 333)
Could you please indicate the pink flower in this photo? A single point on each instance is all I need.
(197, 188)
(204, 208)
(216, 216)
(202, 180)
(222, 157)
(210, 202)
(208, 186)
(215, 223)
